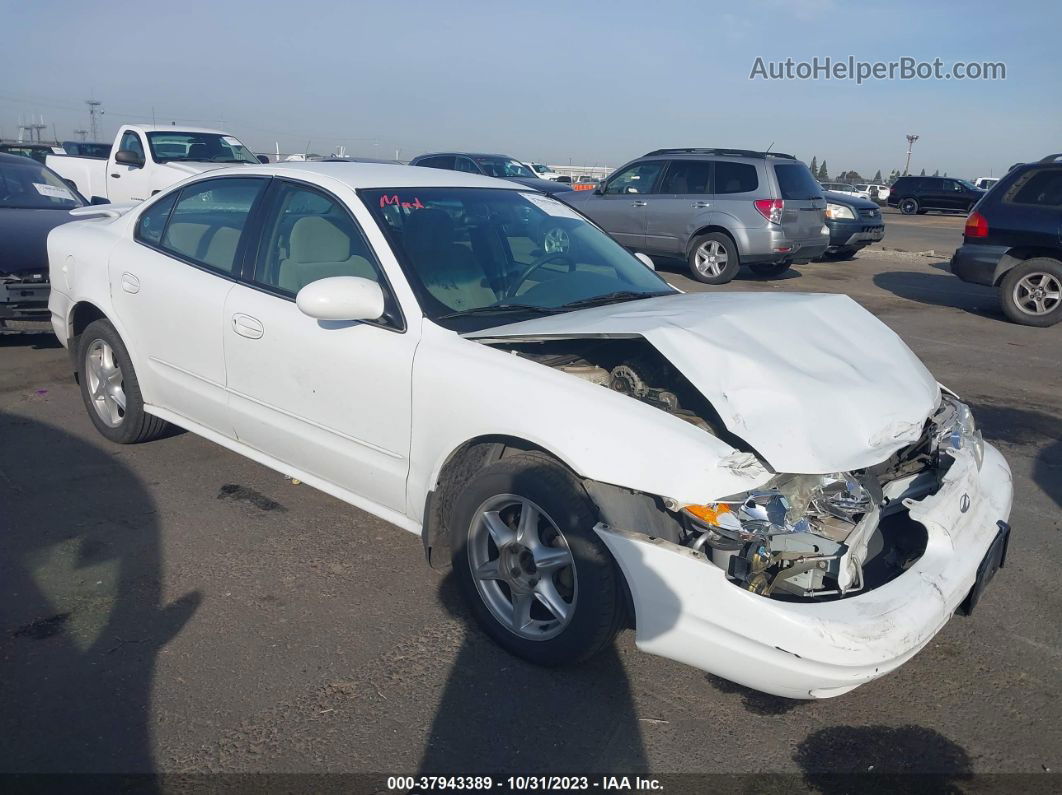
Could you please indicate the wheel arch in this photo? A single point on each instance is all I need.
(81, 314)
(708, 229)
(1019, 254)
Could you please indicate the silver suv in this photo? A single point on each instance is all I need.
(717, 208)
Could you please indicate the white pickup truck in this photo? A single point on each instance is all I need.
(146, 159)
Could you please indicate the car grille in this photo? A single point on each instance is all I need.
(870, 213)
(33, 277)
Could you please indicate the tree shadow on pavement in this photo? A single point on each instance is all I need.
(81, 613)
(882, 759)
(501, 715)
(944, 290)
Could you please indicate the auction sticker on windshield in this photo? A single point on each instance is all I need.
(551, 206)
(53, 192)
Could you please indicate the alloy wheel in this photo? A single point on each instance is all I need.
(1037, 293)
(711, 258)
(522, 567)
(105, 383)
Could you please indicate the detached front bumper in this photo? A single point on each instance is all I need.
(24, 299)
(687, 610)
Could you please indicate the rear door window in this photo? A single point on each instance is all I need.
(735, 177)
(1040, 187)
(796, 182)
(439, 161)
(151, 223)
(687, 177)
(208, 219)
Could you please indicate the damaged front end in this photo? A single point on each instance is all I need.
(816, 536)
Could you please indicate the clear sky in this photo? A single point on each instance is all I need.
(593, 82)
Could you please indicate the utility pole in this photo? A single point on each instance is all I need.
(910, 142)
(36, 127)
(95, 109)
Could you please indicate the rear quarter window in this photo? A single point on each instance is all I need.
(735, 177)
(1040, 187)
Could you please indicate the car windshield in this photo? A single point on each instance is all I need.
(540, 167)
(503, 167)
(198, 147)
(26, 185)
(484, 257)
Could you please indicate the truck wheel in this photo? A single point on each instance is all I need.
(908, 206)
(713, 258)
(110, 389)
(536, 576)
(1031, 293)
(769, 269)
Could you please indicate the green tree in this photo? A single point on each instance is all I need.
(923, 173)
(823, 173)
(814, 166)
(936, 173)
(877, 177)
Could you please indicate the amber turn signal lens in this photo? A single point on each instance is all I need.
(709, 513)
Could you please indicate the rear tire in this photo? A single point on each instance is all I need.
(908, 206)
(109, 387)
(713, 258)
(512, 520)
(1031, 293)
(769, 269)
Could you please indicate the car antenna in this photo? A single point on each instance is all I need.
(769, 148)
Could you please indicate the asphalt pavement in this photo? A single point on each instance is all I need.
(173, 607)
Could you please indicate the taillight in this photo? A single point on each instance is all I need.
(976, 226)
(771, 209)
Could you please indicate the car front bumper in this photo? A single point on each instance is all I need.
(687, 610)
(853, 234)
(25, 299)
(978, 264)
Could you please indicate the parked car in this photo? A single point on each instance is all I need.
(146, 159)
(984, 183)
(501, 166)
(844, 187)
(716, 208)
(1013, 241)
(86, 149)
(854, 223)
(586, 182)
(33, 201)
(875, 192)
(567, 431)
(543, 171)
(35, 151)
(564, 179)
(921, 194)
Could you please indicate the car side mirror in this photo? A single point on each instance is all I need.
(644, 259)
(341, 298)
(98, 200)
(127, 157)
(263, 158)
(599, 190)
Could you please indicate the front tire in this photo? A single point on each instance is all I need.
(713, 258)
(908, 206)
(1031, 293)
(536, 576)
(110, 389)
(769, 269)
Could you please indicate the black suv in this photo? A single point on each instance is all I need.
(1013, 240)
(922, 194)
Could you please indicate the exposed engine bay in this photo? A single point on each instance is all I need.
(799, 537)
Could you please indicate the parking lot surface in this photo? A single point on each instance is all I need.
(175, 607)
(940, 233)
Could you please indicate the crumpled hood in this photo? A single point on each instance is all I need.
(814, 382)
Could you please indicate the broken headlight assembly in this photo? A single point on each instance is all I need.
(810, 535)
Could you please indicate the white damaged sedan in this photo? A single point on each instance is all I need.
(772, 488)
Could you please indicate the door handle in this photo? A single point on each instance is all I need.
(116, 176)
(130, 283)
(640, 203)
(702, 205)
(247, 326)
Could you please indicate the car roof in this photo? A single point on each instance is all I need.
(172, 128)
(372, 175)
(466, 154)
(6, 157)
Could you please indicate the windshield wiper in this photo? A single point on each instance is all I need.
(498, 309)
(609, 298)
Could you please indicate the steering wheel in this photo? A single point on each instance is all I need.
(534, 266)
